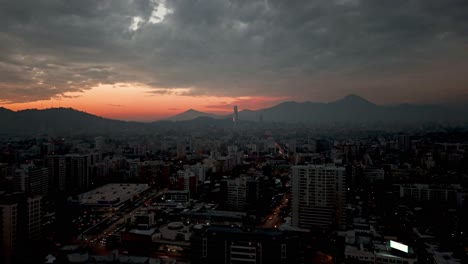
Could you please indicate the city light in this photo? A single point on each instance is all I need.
(398, 246)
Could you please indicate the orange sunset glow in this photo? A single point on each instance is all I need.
(141, 103)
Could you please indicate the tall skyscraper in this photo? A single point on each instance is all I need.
(20, 223)
(8, 226)
(236, 193)
(181, 149)
(241, 193)
(404, 142)
(6, 172)
(200, 171)
(31, 180)
(235, 117)
(33, 217)
(318, 196)
(188, 181)
(99, 143)
(68, 173)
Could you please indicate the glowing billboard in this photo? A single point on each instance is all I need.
(398, 246)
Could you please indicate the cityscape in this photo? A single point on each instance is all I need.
(216, 131)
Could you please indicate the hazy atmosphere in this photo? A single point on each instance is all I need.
(159, 58)
(233, 131)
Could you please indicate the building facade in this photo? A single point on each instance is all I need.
(318, 196)
(226, 244)
(70, 173)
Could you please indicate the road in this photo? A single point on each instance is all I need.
(97, 241)
(273, 220)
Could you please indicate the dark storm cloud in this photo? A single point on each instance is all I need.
(305, 49)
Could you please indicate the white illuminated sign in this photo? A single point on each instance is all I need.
(398, 246)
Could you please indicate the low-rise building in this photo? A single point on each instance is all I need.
(110, 195)
(229, 244)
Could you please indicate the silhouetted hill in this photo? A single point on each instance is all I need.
(353, 109)
(191, 114)
(59, 121)
(352, 100)
(67, 121)
(5, 111)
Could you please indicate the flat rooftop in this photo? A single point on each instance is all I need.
(176, 192)
(253, 233)
(213, 214)
(146, 232)
(445, 258)
(111, 194)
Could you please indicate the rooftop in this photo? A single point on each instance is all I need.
(445, 258)
(111, 194)
(146, 232)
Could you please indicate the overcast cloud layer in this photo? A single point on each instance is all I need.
(388, 51)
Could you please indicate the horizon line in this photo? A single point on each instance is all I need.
(227, 113)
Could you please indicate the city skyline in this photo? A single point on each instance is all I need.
(145, 60)
(353, 108)
(230, 131)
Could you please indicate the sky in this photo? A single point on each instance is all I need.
(149, 59)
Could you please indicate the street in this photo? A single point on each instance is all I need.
(273, 220)
(98, 241)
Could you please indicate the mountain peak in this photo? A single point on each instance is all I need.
(5, 110)
(353, 100)
(191, 110)
(190, 114)
(353, 97)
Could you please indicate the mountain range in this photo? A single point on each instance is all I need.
(350, 110)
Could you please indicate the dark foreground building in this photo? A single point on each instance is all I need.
(226, 244)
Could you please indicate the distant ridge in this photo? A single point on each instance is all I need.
(58, 121)
(350, 110)
(353, 109)
(5, 110)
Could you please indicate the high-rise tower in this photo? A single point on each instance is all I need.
(318, 196)
(235, 117)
